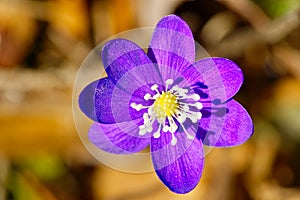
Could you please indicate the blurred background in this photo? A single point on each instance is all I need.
(43, 43)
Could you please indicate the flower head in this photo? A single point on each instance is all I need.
(163, 98)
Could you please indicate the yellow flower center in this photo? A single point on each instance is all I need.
(165, 105)
(171, 108)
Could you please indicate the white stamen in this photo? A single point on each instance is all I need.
(173, 126)
(193, 118)
(156, 96)
(198, 105)
(166, 128)
(156, 134)
(146, 118)
(168, 105)
(185, 107)
(133, 105)
(147, 96)
(169, 81)
(137, 107)
(154, 87)
(195, 97)
(181, 117)
(189, 136)
(174, 140)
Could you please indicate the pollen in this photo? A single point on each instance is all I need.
(165, 105)
(170, 108)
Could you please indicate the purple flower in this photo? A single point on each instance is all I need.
(163, 98)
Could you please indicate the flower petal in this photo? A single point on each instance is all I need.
(102, 102)
(86, 100)
(232, 127)
(172, 46)
(180, 166)
(222, 77)
(128, 66)
(114, 138)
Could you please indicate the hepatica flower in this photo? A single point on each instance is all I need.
(166, 99)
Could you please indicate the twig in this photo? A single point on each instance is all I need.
(249, 11)
(289, 57)
(269, 34)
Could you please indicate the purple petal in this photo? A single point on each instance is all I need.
(103, 102)
(128, 66)
(114, 138)
(172, 46)
(232, 127)
(222, 77)
(179, 167)
(86, 100)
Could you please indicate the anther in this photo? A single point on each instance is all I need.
(154, 87)
(198, 105)
(169, 81)
(195, 97)
(147, 96)
(172, 106)
(174, 140)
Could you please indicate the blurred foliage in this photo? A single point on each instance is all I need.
(278, 8)
(46, 176)
(19, 189)
(47, 167)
